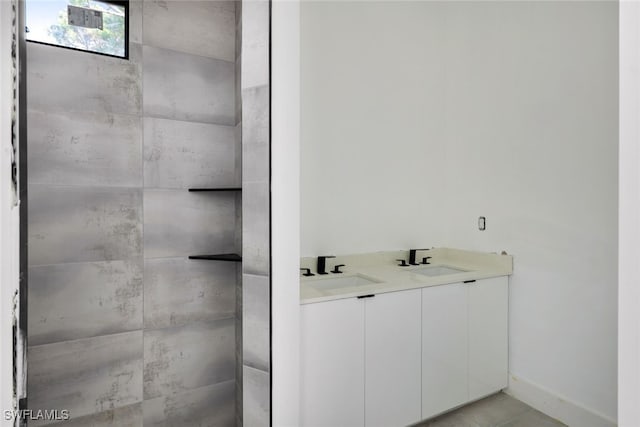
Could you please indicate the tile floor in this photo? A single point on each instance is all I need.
(498, 410)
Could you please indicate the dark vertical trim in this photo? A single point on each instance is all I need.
(270, 230)
(22, 194)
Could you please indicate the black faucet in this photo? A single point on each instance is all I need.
(308, 272)
(322, 264)
(403, 263)
(412, 256)
(336, 269)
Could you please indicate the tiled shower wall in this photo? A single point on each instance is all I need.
(124, 330)
(255, 90)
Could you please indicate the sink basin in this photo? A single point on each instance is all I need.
(340, 282)
(438, 270)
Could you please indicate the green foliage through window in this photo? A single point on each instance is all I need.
(47, 22)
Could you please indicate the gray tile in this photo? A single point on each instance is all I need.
(202, 407)
(255, 321)
(255, 134)
(135, 21)
(533, 418)
(238, 225)
(255, 228)
(238, 90)
(255, 43)
(76, 224)
(86, 376)
(188, 87)
(81, 300)
(95, 83)
(238, 151)
(181, 154)
(85, 149)
(205, 28)
(498, 410)
(449, 420)
(181, 223)
(127, 416)
(238, 28)
(256, 411)
(178, 291)
(239, 350)
(188, 357)
(493, 410)
(238, 158)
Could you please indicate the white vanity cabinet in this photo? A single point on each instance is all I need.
(332, 364)
(392, 359)
(488, 336)
(396, 358)
(444, 348)
(360, 361)
(464, 343)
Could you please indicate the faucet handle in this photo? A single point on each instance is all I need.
(426, 259)
(308, 272)
(336, 269)
(403, 263)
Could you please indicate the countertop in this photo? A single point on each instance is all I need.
(383, 269)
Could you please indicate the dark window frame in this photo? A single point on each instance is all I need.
(125, 5)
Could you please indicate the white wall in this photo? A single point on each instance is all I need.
(371, 126)
(534, 91)
(424, 116)
(629, 227)
(8, 219)
(285, 212)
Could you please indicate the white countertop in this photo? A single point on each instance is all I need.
(382, 268)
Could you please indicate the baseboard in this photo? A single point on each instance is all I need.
(558, 407)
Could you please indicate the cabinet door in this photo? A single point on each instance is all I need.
(392, 359)
(332, 364)
(444, 348)
(488, 335)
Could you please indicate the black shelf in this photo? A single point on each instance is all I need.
(218, 257)
(217, 189)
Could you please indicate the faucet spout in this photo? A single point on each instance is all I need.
(322, 264)
(412, 256)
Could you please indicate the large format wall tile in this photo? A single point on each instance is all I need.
(180, 223)
(181, 154)
(255, 134)
(188, 87)
(255, 321)
(127, 416)
(178, 291)
(210, 406)
(188, 357)
(80, 300)
(135, 21)
(255, 43)
(256, 396)
(238, 160)
(76, 224)
(86, 376)
(205, 28)
(85, 149)
(255, 228)
(69, 80)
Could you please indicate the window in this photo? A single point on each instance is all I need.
(89, 25)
